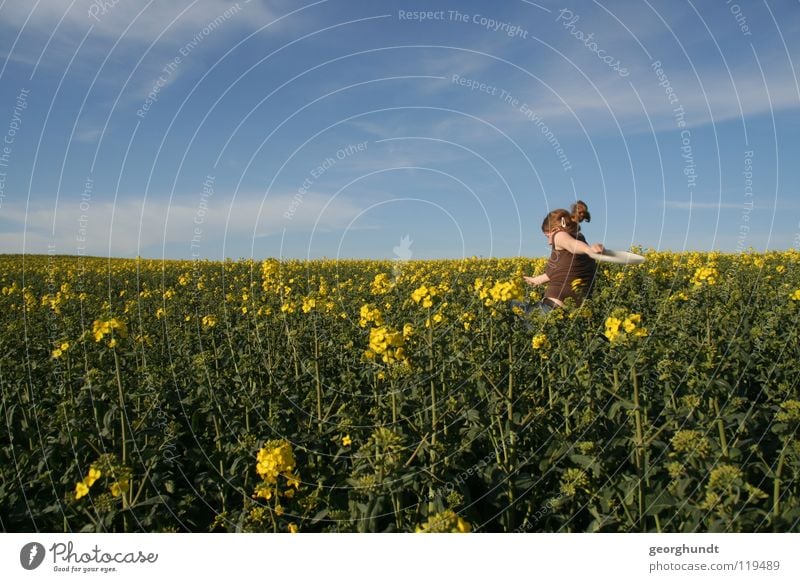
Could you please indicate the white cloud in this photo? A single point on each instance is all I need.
(111, 18)
(101, 228)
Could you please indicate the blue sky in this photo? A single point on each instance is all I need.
(209, 128)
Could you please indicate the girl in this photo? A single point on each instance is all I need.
(570, 271)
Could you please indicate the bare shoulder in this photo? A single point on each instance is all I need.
(562, 238)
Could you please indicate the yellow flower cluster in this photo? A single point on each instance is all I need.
(309, 303)
(620, 327)
(424, 295)
(572, 481)
(447, 521)
(114, 327)
(209, 321)
(270, 274)
(370, 314)
(790, 412)
(435, 320)
(388, 344)
(276, 459)
(504, 291)
(707, 275)
(796, 295)
(499, 292)
(690, 442)
(723, 476)
(540, 342)
(381, 284)
(82, 487)
(59, 351)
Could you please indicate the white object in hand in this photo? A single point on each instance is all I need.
(618, 257)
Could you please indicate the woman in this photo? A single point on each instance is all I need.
(570, 271)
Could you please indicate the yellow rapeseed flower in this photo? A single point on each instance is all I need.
(369, 314)
(448, 521)
(92, 476)
(381, 284)
(631, 322)
(621, 326)
(539, 341)
(705, 276)
(80, 490)
(118, 488)
(612, 328)
(101, 328)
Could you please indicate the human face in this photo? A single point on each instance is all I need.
(549, 234)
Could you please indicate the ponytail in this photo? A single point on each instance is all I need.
(580, 212)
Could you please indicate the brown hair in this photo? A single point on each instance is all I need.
(560, 219)
(580, 212)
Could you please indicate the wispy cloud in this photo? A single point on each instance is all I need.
(138, 21)
(132, 225)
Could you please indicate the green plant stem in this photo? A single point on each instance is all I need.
(637, 413)
(776, 485)
(317, 378)
(121, 396)
(723, 441)
(509, 402)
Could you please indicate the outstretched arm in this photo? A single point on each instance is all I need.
(538, 280)
(564, 241)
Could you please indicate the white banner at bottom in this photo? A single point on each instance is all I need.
(355, 557)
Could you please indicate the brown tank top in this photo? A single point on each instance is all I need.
(564, 269)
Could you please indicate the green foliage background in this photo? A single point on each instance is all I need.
(692, 427)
